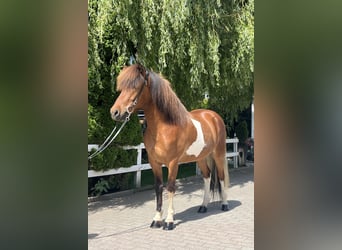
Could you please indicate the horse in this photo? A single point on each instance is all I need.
(173, 135)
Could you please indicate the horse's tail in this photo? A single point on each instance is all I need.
(214, 180)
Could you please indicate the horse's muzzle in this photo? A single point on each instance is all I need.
(117, 116)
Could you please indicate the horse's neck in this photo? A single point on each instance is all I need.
(153, 118)
(156, 120)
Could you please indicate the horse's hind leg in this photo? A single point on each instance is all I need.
(223, 176)
(171, 188)
(206, 177)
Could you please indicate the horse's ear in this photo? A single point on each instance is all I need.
(147, 78)
(141, 69)
(144, 73)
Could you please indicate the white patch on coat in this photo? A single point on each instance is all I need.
(223, 194)
(158, 216)
(197, 146)
(171, 210)
(206, 197)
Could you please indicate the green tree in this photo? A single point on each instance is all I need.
(199, 46)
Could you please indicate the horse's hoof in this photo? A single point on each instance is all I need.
(224, 207)
(202, 209)
(168, 226)
(156, 224)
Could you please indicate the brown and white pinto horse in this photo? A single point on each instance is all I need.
(173, 135)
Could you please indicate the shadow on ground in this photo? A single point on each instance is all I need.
(92, 236)
(127, 231)
(132, 201)
(214, 208)
(185, 216)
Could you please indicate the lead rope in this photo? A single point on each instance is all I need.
(104, 145)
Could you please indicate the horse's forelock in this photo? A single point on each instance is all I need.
(130, 77)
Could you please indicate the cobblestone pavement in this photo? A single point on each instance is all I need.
(123, 222)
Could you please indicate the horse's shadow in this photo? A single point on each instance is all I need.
(92, 236)
(214, 208)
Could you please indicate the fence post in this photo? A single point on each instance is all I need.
(138, 173)
(235, 145)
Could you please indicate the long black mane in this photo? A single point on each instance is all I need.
(167, 101)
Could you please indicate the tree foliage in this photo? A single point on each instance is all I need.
(199, 46)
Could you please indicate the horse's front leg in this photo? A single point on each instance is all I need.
(171, 188)
(158, 176)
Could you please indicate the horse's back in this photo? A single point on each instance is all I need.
(209, 117)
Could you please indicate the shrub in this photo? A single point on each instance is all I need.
(100, 187)
(242, 132)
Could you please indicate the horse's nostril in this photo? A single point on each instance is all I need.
(115, 114)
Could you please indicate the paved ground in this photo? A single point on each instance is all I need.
(123, 223)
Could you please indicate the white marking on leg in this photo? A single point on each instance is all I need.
(171, 210)
(158, 216)
(224, 195)
(197, 146)
(206, 197)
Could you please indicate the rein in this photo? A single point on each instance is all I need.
(129, 111)
(104, 145)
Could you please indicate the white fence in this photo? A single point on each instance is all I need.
(140, 167)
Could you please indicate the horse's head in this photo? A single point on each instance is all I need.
(131, 82)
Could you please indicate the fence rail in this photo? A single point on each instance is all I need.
(138, 167)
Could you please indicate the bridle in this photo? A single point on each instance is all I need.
(129, 111)
(130, 108)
